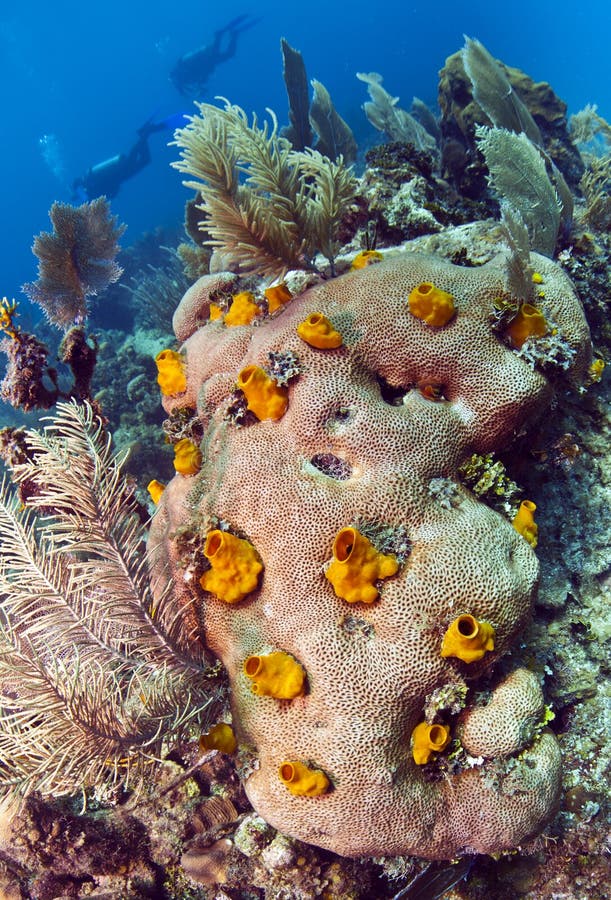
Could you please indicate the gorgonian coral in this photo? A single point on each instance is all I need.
(75, 261)
(265, 207)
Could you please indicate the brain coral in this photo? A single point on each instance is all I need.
(368, 426)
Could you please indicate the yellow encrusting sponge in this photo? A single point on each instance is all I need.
(187, 457)
(264, 396)
(428, 740)
(302, 781)
(356, 566)
(524, 522)
(528, 322)
(277, 296)
(234, 566)
(243, 309)
(220, 737)
(366, 258)
(468, 639)
(431, 304)
(155, 489)
(317, 331)
(276, 675)
(171, 376)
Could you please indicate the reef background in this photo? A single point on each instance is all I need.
(87, 78)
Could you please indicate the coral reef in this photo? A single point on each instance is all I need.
(403, 403)
(191, 832)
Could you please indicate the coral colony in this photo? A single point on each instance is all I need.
(323, 713)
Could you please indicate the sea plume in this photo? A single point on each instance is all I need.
(75, 261)
(93, 675)
(265, 205)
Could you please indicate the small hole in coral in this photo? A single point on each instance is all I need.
(432, 391)
(391, 394)
(342, 413)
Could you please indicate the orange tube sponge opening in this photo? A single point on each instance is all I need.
(468, 639)
(428, 740)
(431, 304)
(366, 258)
(187, 457)
(317, 331)
(277, 296)
(524, 522)
(234, 566)
(264, 396)
(219, 737)
(529, 322)
(276, 675)
(243, 309)
(171, 376)
(302, 781)
(356, 566)
(155, 489)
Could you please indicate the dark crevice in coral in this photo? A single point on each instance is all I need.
(332, 466)
(391, 394)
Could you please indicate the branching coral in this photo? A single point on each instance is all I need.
(76, 260)
(93, 674)
(266, 207)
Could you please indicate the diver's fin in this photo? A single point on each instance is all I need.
(151, 127)
(241, 23)
(176, 120)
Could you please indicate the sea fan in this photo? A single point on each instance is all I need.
(94, 675)
(75, 261)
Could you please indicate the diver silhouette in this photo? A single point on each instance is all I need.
(192, 71)
(105, 178)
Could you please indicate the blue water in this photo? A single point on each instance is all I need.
(78, 79)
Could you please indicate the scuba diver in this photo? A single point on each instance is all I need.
(105, 178)
(192, 71)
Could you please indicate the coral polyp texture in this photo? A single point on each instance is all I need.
(355, 452)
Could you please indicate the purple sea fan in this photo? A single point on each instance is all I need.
(76, 260)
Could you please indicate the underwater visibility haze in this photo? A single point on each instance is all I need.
(77, 81)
